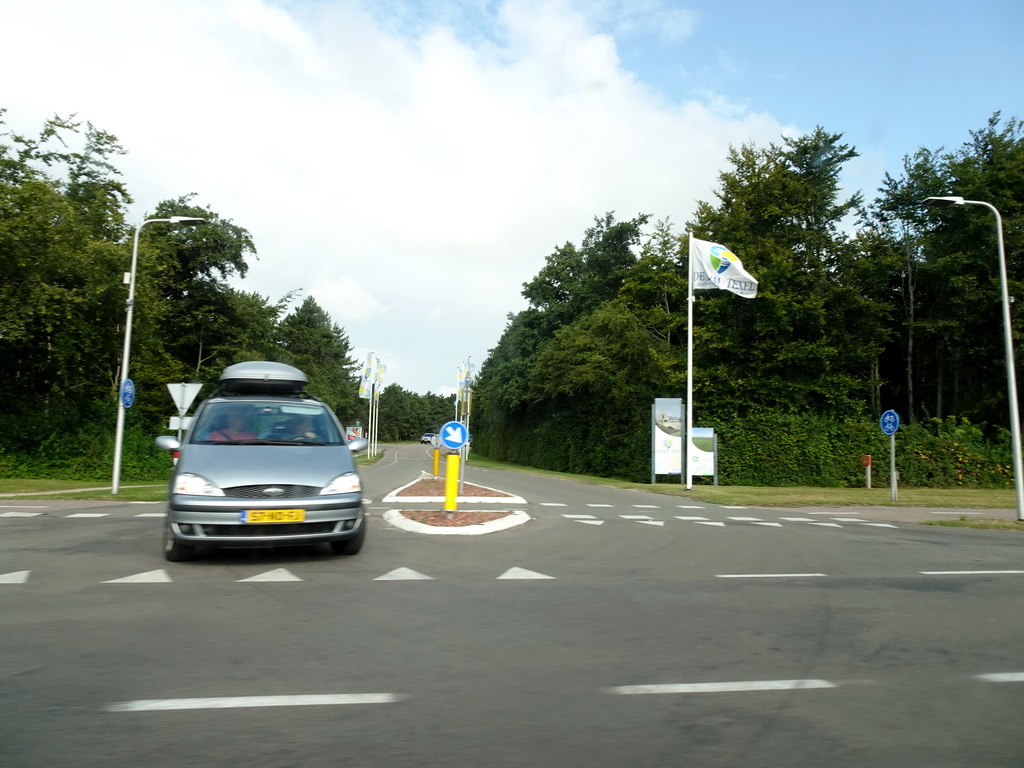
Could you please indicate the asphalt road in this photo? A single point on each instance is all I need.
(617, 628)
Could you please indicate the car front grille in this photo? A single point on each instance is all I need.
(260, 491)
(270, 529)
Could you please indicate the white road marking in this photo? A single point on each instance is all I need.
(22, 506)
(732, 687)
(522, 573)
(689, 517)
(1002, 677)
(745, 519)
(145, 502)
(234, 702)
(149, 577)
(651, 522)
(726, 506)
(709, 522)
(552, 504)
(773, 525)
(580, 517)
(828, 525)
(847, 520)
(766, 575)
(688, 506)
(89, 514)
(645, 506)
(590, 522)
(152, 514)
(878, 525)
(278, 574)
(14, 577)
(797, 519)
(404, 574)
(965, 573)
(20, 514)
(635, 517)
(609, 506)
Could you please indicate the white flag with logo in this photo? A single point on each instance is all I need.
(715, 266)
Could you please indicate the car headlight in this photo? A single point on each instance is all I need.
(347, 483)
(188, 484)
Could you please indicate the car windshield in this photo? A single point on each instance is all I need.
(263, 422)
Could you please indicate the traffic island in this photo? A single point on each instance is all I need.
(430, 489)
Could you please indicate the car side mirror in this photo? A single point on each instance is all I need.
(168, 443)
(359, 444)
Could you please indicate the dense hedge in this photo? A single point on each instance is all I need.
(763, 449)
(71, 446)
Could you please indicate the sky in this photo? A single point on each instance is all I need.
(411, 164)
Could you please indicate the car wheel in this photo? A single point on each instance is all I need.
(174, 551)
(352, 545)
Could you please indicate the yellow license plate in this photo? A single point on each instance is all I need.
(273, 515)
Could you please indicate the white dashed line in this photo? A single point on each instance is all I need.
(20, 514)
(689, 517)
(235, 702)
(767, 575)
(608, 506)
(89, 514)
(552, 504)
(1002, 677)
(732, 687)
(580, 517)
(967, 573)
(746, 519)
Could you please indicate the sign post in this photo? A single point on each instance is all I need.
(183, 393)
(453, 436)
(890, 422)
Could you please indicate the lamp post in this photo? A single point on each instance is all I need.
(119, 431)
(1011, 377)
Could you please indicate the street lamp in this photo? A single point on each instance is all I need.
(119, 431)
(1011, 377)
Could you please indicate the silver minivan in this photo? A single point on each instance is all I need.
(263, 464)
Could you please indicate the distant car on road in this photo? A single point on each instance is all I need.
(427, 437)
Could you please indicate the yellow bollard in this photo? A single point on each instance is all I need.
(437, 460)
(451, 482)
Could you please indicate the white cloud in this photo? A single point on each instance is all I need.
(409, 184)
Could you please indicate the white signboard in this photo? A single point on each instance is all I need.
(667, 436)
(702, 451)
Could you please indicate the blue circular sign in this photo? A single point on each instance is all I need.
(454, 435)
(890, 422)
(127, 393)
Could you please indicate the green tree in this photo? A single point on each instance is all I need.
(809, 340)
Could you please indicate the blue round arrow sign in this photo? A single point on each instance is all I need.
(453, 434)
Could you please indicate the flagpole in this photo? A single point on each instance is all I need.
(688, 470)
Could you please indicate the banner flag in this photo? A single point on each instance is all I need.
(366, 382)
(715, 266)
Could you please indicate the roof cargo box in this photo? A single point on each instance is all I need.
(262, 376)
